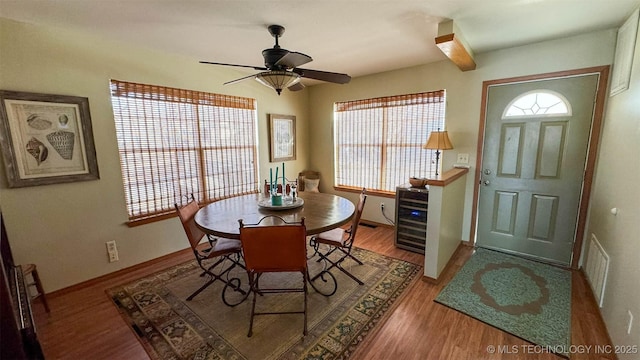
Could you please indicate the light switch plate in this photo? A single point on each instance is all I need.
(112, 251)
(463, 159)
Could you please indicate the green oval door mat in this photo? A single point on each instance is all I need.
(528, 299)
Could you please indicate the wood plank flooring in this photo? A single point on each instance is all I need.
(84, 324)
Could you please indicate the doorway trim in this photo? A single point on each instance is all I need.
(592, 152)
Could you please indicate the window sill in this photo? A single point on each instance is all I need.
(150, 219)
(387, 194)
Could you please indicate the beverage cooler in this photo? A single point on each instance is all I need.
(411, 217)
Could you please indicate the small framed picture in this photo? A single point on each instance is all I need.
(282, 137)
(46, 139)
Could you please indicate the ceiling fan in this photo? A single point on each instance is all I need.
(281, 68)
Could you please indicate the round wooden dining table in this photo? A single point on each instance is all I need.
(321, 212)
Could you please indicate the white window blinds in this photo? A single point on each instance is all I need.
(174, 142)
(378, 142)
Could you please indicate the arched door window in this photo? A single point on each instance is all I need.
(537, 103)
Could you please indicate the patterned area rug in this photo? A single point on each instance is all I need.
(169, 327)
(525, 298)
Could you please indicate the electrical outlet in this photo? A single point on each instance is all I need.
(112, 251)
(382, 206)
(630, 322)
(463, 159)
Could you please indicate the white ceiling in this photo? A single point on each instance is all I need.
(357, 37)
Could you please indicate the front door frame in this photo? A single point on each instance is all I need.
(592, 152)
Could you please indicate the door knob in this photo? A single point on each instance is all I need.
(486, 182)
(487, 172)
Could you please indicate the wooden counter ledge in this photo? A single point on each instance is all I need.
(447, 177)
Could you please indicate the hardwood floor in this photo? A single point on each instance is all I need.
(84, 324)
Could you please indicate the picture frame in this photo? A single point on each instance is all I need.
(623, 58)
(282, 137)
(46, 139)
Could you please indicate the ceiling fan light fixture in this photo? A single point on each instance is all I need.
(278, 79)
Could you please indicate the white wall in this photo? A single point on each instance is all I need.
(63, 227)
(616, 185)
(444, 225)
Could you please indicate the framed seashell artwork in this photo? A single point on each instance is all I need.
(46, 139)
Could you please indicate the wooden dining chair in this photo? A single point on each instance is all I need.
(31, 270)
(274, 249)
(341, 241)
(219, 249)
(287, 188)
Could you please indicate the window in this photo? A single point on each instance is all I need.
(176, 142)
(537, 103)
(378, 142)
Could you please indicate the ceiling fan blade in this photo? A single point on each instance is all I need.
(236, 65)
(323, 75)
(296, 87)
(294, 59)
(238, 80)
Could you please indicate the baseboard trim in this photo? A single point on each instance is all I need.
(114, 274)
(592, 298)
(448, 266)
(373, 223)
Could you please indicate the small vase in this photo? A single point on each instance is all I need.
(276, 200)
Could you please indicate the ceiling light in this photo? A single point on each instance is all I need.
(278, 79)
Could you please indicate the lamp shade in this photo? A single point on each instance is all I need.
(438, 140)
(278, 79)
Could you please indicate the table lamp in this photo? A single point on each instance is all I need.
(438, 140)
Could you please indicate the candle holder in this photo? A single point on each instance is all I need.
(276, 199)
